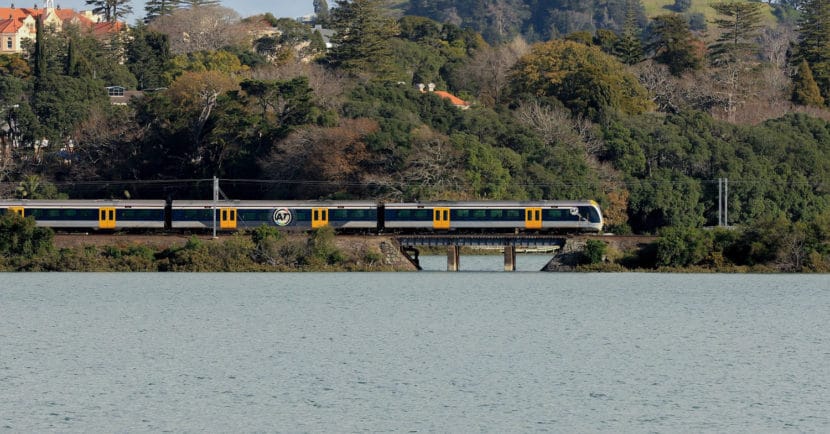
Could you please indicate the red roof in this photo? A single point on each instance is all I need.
(453, 99)
(20, 14)
(10, 25)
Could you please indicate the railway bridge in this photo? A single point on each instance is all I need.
(453, 242)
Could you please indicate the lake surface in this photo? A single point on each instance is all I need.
(418, 352)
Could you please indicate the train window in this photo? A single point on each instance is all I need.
(514, 214)
(496, 214)
(404, 214)
(53, 213)
(446, 215)
(339, 214)
(422, 214)
(462, 213)
(480, 214)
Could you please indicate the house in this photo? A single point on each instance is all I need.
(120, 96)
(456, 101)
(18, 24)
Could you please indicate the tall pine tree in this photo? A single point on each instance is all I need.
(740, 24)
(361, 43)
(159, 8)
(112, 10)
(814, 42)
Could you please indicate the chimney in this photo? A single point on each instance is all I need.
(421, 87)
(432, 87)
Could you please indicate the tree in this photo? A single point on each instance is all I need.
(21, 237)
(319, 162)
(628, 47)
(194, 4)
(202, 28)
(588, 81)
(148, 55)
(735, 49)
(112, 10)
(362, 36)
(814, 42)
(40, 50)
(740, 25)
(321, 9)
(672, 43)
(805, 89)
(489, 69)
(159, 8)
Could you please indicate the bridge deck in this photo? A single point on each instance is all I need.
(513, 240)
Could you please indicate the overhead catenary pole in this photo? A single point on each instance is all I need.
(720, 201)
(726, 202)
(215, 202)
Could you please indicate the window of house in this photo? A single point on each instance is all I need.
(9, 43)
(115, 91)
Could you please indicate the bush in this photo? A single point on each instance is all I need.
(681, 247)
(20, 237)
(594, 252)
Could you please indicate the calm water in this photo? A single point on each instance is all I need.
(430, 351)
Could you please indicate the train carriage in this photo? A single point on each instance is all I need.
(582, 216)
(301, 215)
(90, 214)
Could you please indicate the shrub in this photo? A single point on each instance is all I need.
(22, 238)
(594, 252)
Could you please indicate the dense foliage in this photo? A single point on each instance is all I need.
(643, 115)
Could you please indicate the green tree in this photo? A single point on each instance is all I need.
(629, 47)
(805, 88)
(671, 43)
(683, 247)
(814, 42)
(148, 56)
(21, 237)
(361, 42)
(40, 61)
(588, 81)
(321, 9)
(112, 10)
(740, 24)
(158, 8)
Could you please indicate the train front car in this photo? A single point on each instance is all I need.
(571, 216)
(494, 216)
(290, 215)
(90, 214)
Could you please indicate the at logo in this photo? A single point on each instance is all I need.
(282, 217)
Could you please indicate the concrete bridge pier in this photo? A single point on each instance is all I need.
(509, 258)
(453, 258)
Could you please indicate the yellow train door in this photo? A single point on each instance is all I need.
(17, 210)
(106, 218)
(227, 218)
(319, 217)
(441, 218)
(533, 218)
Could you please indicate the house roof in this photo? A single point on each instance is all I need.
(17, 15)
(10, 25)
(453, 99)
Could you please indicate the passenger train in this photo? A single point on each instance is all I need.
(343, 216)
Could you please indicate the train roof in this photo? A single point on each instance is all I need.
(80, 202)
(494, 204)
(278, 203)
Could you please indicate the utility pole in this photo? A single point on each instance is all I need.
(723, 202)
(720, 202)
(215, 202)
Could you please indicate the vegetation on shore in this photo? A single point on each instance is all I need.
(642, 106)
(25, 247)
(773, 246)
